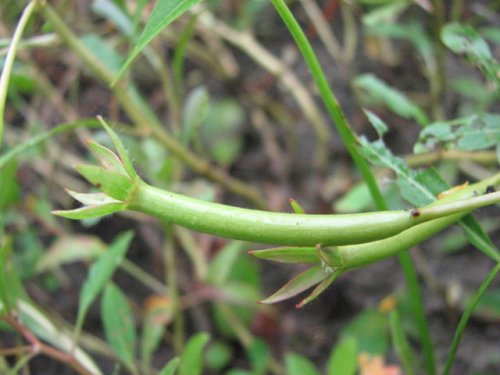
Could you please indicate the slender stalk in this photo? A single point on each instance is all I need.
(466, 316)
(330, 100)
(9, 61)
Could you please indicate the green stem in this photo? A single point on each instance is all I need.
(9, 61)
(466, 316)
(330, 101)
(297, 229)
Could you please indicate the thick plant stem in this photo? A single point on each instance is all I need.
(144, 118)
(290, 229)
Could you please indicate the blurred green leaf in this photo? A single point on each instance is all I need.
(220, 267)
(157, 314)
(298, 365)
(194, 113)
(191, 362)
(472, 133)
(259, 354)
(377, 123)
(344, 357)
(357, 199)
(119, 325)
(164, 12)
(387, 12)
(489, 305)
(170, 367)
(68, 249)
(377, 92)
(101, 272)
(56, 334)
(401, 344)
(370, 329)
(218, 355)
(9, 187)
(114, 13)
(239, 300)
(221, 133)
(462, 38)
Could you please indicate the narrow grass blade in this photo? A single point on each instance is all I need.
(466, 316)
(164, 12)
(401, 345)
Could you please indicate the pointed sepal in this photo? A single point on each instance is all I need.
(303, 281)
(114, 184)
(89, 212)
(288, 254)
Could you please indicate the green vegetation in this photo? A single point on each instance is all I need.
(184, 110)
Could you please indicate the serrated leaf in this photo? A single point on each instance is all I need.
(89, 212)
(191, 362)
(297, 365)
(107, 158)
(101, 272)
(288, 254)
(298, 284)
(119, 325)
(344, 357)
(381, 93)
(114, 184)
(164, 12)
